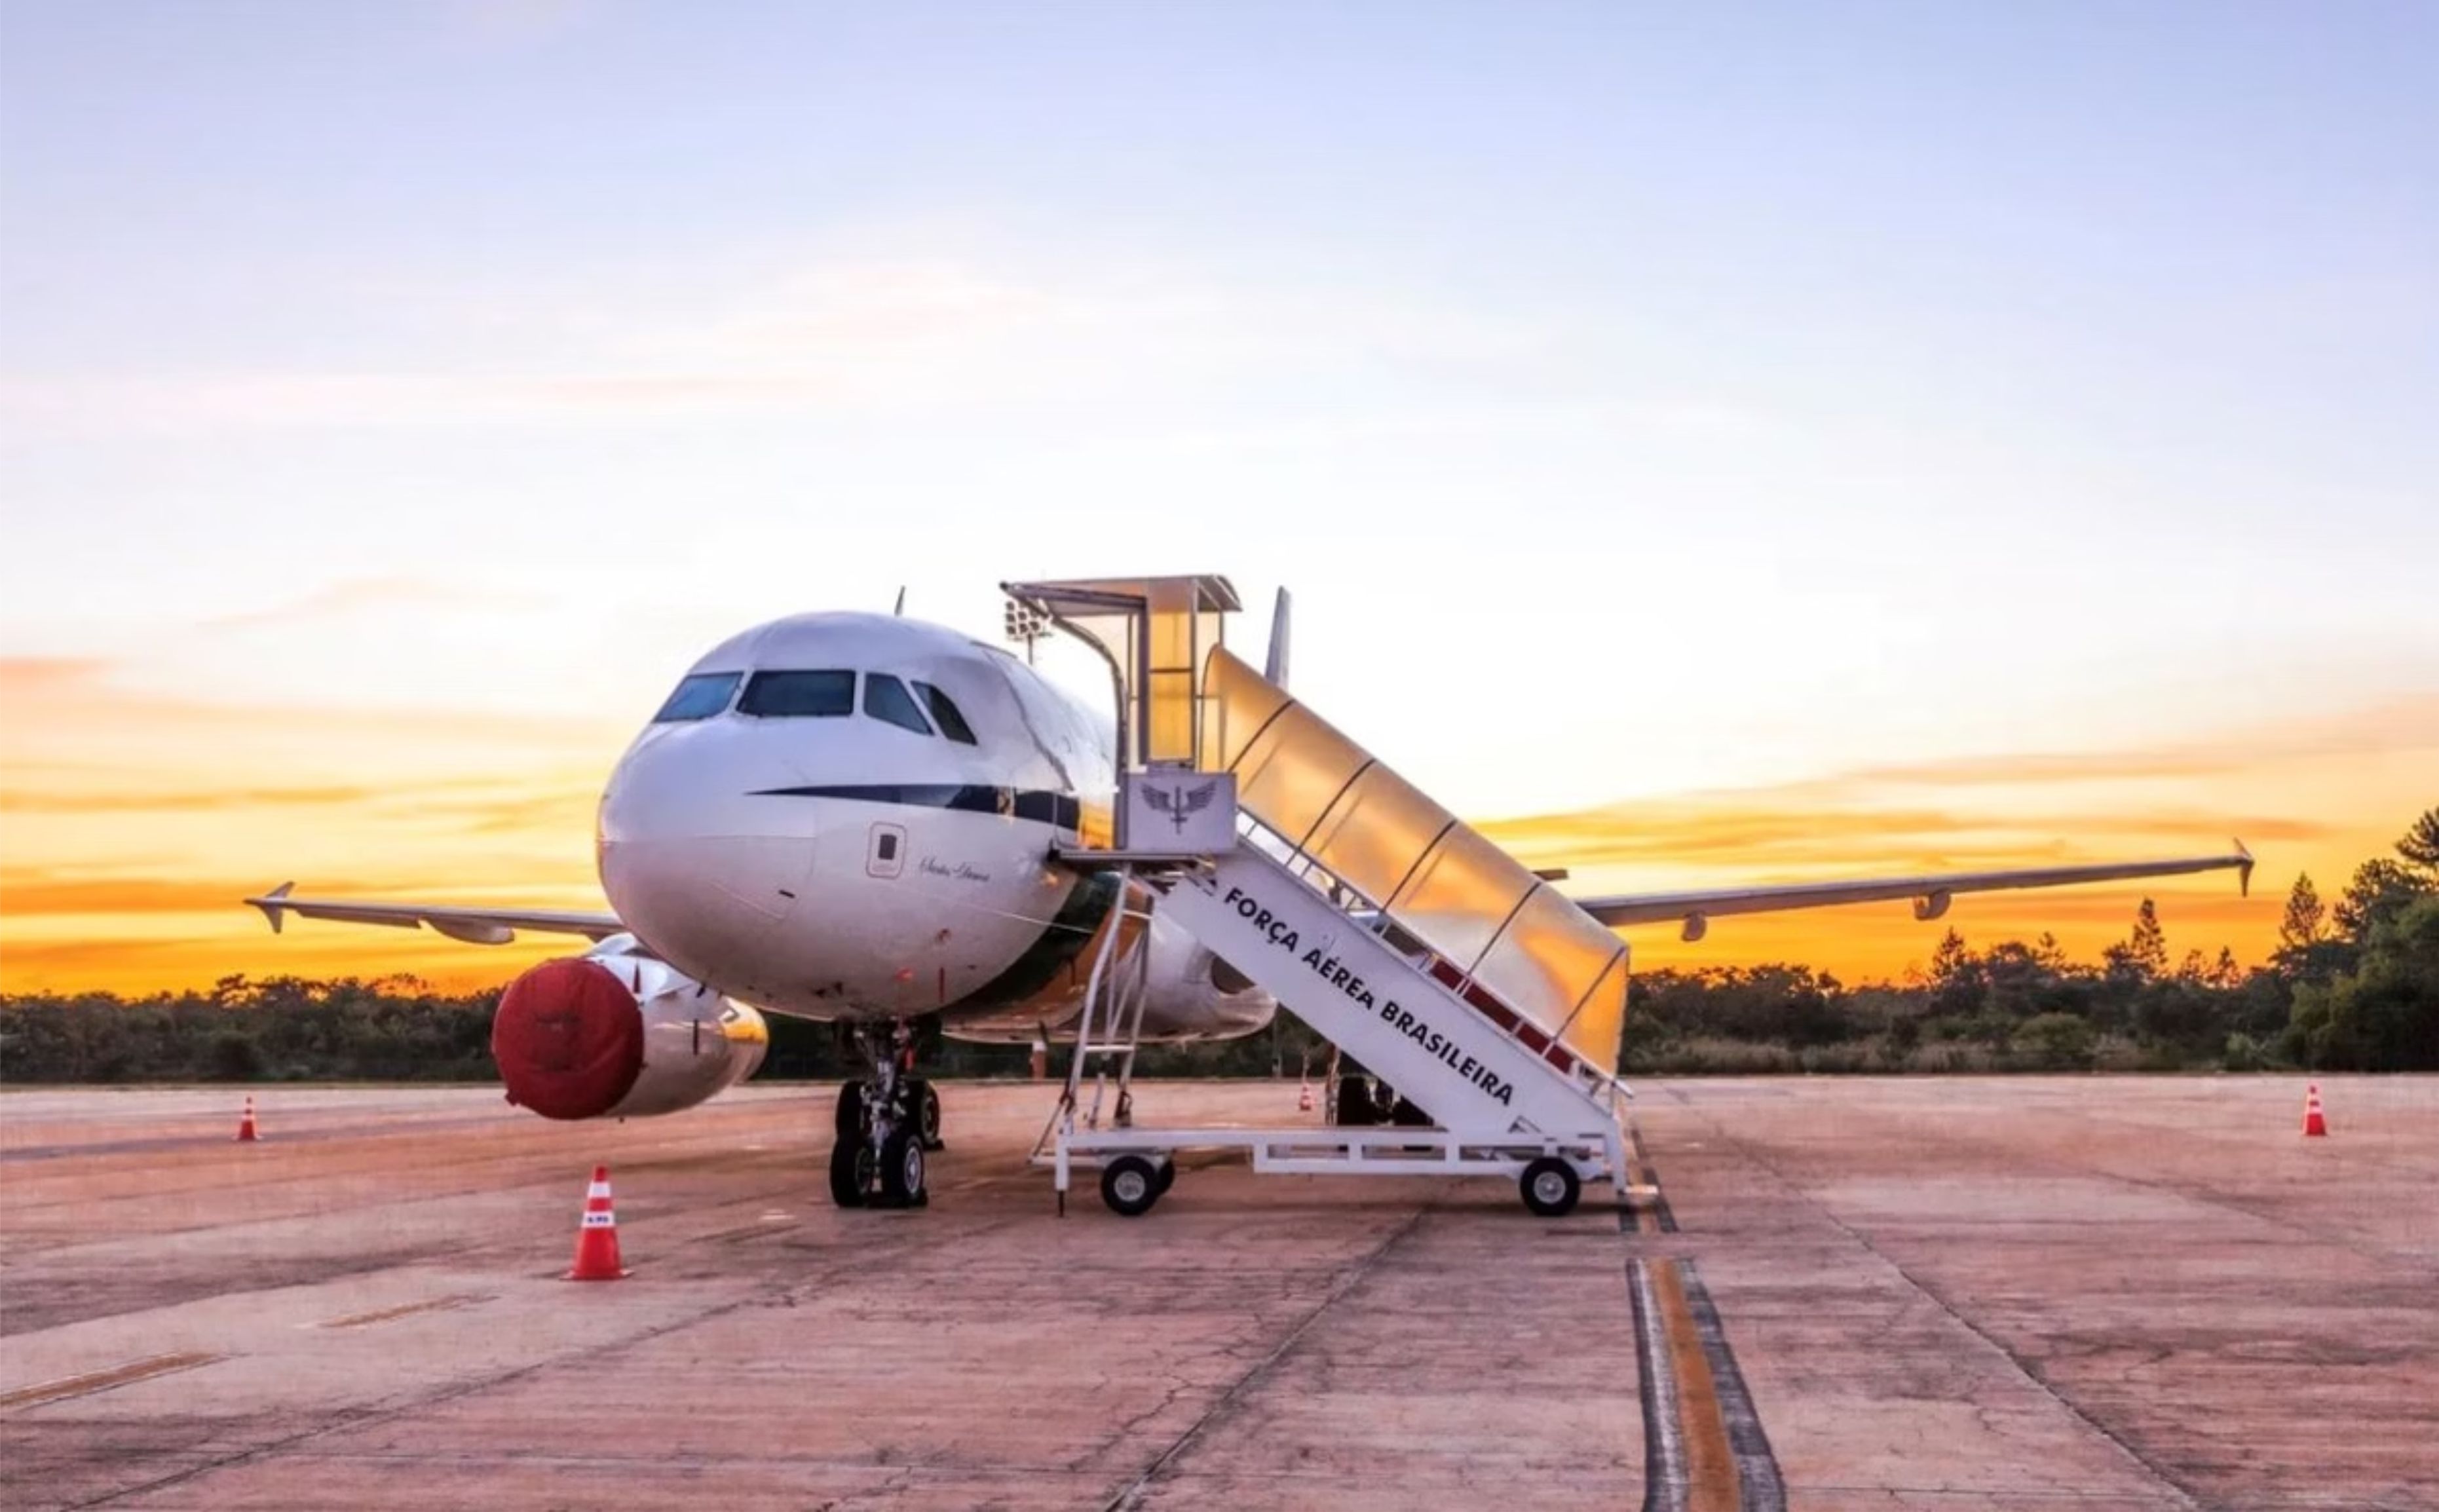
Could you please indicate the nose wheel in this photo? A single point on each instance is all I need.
(855, 1169)
(885, 1126)
(927, 1114)
(901, 1171)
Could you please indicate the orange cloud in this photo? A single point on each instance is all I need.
(1762, 834)
(356, 594)
(184, 800)
(36, 676)
(135, 966)
(2317, 796)
(135, 820)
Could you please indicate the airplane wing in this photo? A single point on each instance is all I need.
(475, 926)
(1692, 910)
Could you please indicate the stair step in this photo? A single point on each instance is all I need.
(1466, 1060)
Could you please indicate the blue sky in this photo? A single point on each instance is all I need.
(1641, 400)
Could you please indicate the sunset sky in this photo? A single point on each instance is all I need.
(1714, 445)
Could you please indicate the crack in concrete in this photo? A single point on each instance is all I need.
(2207, 1197)
(378, 1413)
(359, 1416)
(2031, 1371)
(1131, 1495)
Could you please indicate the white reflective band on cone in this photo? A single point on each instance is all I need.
(597, 1189)
(600, 1220)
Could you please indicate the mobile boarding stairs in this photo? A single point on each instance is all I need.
(1405, 938)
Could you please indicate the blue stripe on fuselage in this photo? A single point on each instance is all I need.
(1039, 803)
(1086, 908)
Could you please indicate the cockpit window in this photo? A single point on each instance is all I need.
(952, 723)
(698, 696)
(799, 695)
(885, 698)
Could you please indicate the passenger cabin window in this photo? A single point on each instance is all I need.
(886, 699)
(799, 695)
(698, 696)
(952, 723)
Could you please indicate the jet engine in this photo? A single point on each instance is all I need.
(616, 1033)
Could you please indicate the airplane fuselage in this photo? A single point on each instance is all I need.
(853, 816)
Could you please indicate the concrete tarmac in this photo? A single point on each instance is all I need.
(2092, 1293)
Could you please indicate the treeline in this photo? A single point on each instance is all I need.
(2352, 985)
(398, 1029)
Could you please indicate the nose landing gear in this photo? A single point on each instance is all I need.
(885, 1124)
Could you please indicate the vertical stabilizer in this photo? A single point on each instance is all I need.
(1275, 666)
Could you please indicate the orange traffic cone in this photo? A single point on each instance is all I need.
(1304, 1098)
(245, 1134)
(2315, 1125)
(596, 1242)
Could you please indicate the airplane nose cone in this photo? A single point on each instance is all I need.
(696, 862)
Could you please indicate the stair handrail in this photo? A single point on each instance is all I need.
(1578, 1068)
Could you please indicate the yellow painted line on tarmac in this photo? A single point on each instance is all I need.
(365, 1320)
(85, 1385)
(1710, 1483)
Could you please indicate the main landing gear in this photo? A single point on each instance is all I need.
(886, 1125)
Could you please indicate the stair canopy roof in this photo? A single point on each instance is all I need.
(1380, 837)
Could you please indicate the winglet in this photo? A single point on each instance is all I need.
(273, 905)
(2243, 870)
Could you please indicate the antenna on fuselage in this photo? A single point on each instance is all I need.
(901, 610)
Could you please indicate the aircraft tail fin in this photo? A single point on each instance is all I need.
(1275, 666)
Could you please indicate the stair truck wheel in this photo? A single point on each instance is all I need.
(1550, 1187)
(849, 1119)
(850, 1170)
(1131, 1184)
(1167, 1176)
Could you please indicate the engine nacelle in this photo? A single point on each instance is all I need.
(1194, 995)
(615, 1034)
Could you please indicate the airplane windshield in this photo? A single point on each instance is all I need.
(952, 722)
(827, 695)
(886, 699)
(698, 696)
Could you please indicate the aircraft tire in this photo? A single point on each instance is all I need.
(849, 1119)
(1131, 1184)
(902, 1170)
(927, 1114)
(1550, 1186)
(850, 1170)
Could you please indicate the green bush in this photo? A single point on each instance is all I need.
(2055, 1042)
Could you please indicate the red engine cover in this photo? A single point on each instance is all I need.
(568, 1038)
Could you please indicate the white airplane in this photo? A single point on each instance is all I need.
(860, 818)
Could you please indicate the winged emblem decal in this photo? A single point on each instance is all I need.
(1180, 802)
